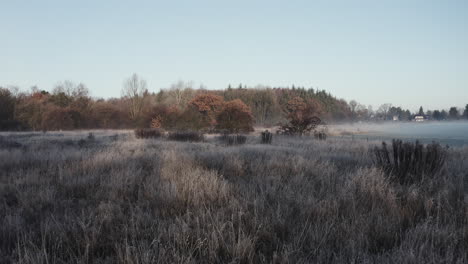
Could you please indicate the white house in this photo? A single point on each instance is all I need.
(419, 118)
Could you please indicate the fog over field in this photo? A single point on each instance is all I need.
(453, 133)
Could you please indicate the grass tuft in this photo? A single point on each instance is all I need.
(409, 163)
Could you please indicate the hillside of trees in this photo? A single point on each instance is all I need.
(69, 106)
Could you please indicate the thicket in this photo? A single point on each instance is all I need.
(232, 140)
(409, 163)
(303, 117)
(266, 137)
(186, 136)
(69, 106)
(148, 133)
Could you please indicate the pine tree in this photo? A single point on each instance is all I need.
(421, 111)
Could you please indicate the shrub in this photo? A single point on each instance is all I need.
(232, 140)
(8, 144)
(162, 116)
(208, 104)
(191, 119)
(235, 117)
(58, 118)
(320, 135)
(148, 133)
(91, 137)
(7, 101)
(303, 116)
(408, 162)
(107, 115)
(267, 137)
(89, 141)
(191, 136)
(172, 118)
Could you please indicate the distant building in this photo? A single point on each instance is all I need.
(419, 118)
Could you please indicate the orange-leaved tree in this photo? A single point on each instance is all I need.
(235, 117)
(209, 105)
(303, 116)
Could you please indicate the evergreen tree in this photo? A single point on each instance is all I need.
(453, 113)
(465, 113)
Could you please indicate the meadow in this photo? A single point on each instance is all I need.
(109, 197)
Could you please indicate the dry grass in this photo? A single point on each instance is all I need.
(118, 199)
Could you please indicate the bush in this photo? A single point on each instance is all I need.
(58, 118)
(191, 136)
(320, 135)
(148, 133)
(267, 137)
(11, 125)
(235, 117)
(91, 137)
(303, 116)
(409, 163)
(232, 140)
(8, 144)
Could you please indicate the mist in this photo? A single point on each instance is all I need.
(453, 133)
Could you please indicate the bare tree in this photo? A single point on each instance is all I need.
(352, 105)
(134, 89)
(361, 111)
(383, 109)
(71, 89)
(180, 93)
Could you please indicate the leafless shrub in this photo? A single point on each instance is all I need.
(8, 144)
(190, 136)
(267, 137)
(232, 140)
(320, 135)
(148, 133)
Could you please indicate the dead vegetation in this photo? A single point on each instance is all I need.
(297, 200)
(148, 133)
(409, 163)
(186, 136)
(233, 140)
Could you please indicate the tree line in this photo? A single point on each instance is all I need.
(182, 106)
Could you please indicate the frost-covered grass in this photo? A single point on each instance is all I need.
(66, 198)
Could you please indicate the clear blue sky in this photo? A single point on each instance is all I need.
(405, 52)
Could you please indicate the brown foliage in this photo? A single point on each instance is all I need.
(57, 118)
(171, 118)
(162, 116)
(303, 116)
(156, 122)
(31, 110)
(209, 105)
(235, 117)
(191, 119)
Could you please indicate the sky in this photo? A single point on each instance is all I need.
(405, 52)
